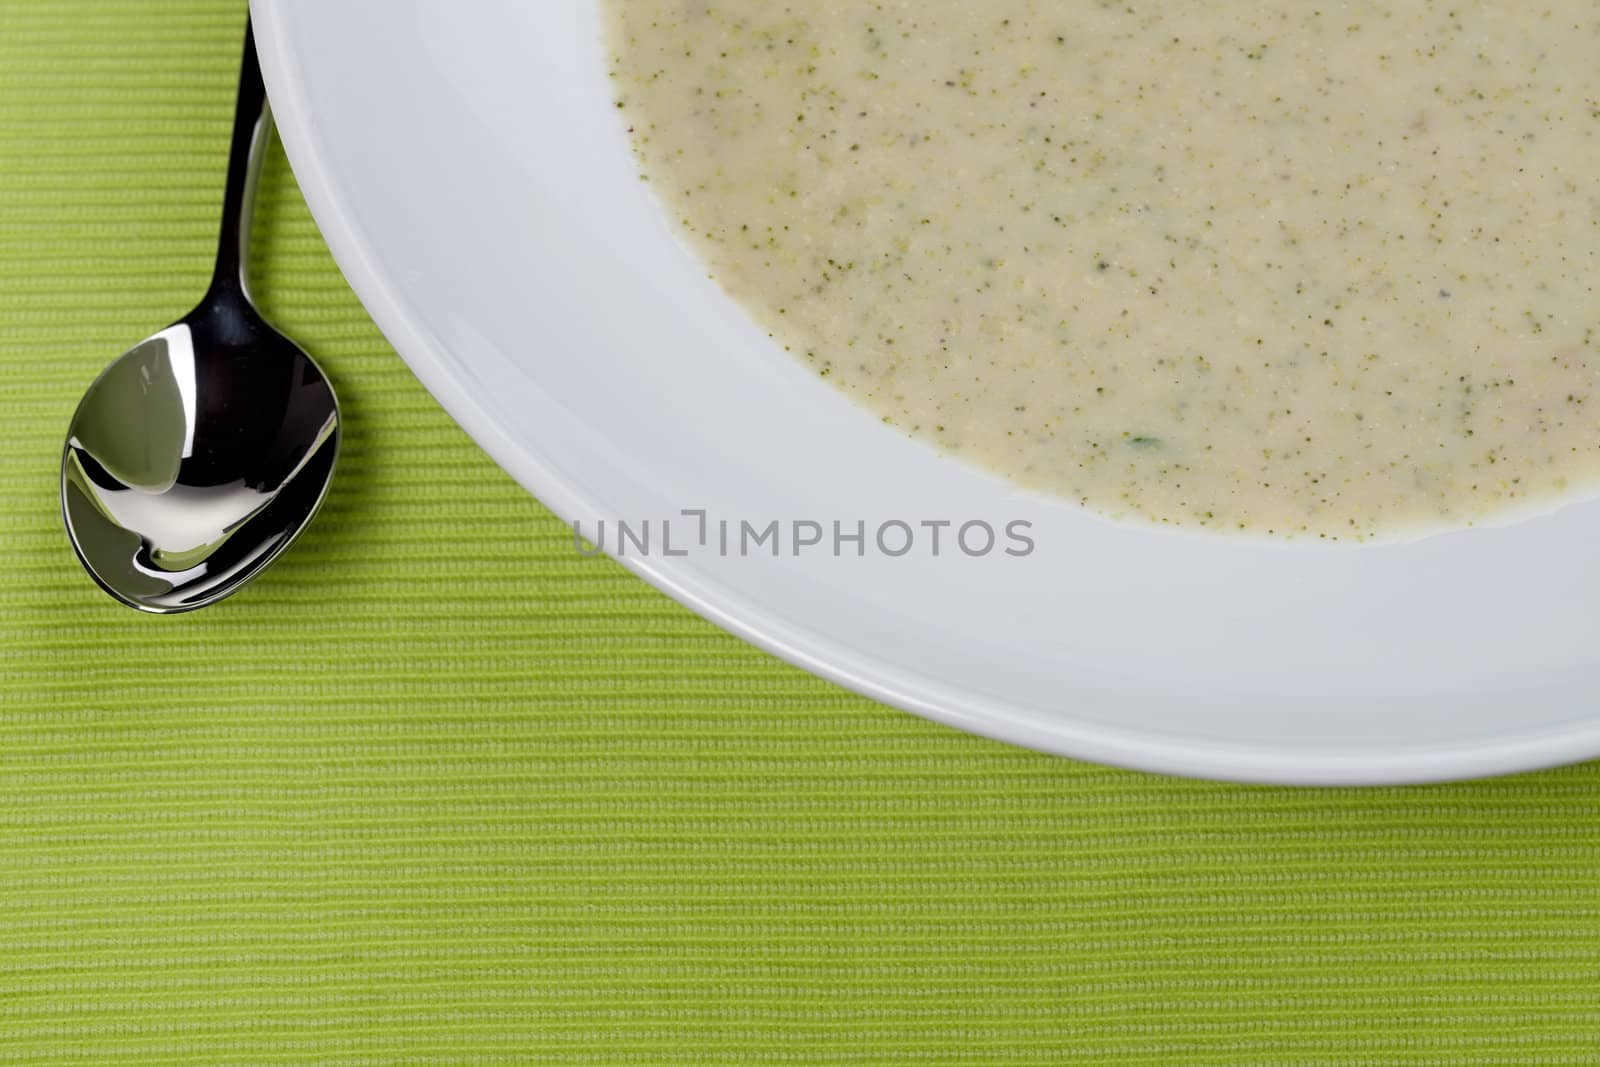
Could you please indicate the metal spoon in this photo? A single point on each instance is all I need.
(201, 453)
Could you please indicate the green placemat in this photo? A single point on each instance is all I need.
(437, 790)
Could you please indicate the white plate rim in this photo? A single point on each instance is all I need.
(812, 652)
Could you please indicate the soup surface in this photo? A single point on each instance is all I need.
(1255, 265)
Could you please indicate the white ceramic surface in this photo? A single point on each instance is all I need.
(468, 167)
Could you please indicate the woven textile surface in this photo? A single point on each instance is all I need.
(438, 790)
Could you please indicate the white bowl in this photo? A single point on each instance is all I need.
(470, 172)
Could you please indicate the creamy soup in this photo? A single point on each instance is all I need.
(1255, 265)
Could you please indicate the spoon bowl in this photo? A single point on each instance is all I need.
(202, 452)
(195, 459)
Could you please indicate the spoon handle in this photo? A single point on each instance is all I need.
(252, 132)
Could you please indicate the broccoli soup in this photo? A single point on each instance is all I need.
(1251, 265)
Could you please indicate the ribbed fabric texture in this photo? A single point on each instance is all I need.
(437, 791)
